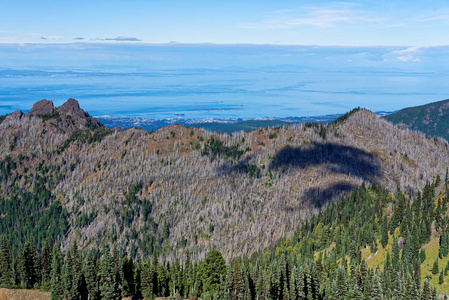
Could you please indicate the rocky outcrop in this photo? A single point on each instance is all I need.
(17, 115)
(42, 107)
(73, 117)
(72, 108)
(67, 118)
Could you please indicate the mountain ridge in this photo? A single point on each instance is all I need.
(431, 118)
(183, 189)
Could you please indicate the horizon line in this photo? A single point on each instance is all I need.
(210, 44)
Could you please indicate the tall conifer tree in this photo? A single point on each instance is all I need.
(5, 263)
(109, 289)
(56, 282)
(30, 265)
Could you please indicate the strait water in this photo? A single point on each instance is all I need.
(223, 92)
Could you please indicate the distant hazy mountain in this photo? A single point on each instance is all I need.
(431, 119)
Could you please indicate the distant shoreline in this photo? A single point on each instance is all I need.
(221, 125)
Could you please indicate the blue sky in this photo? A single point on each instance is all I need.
(367, 23)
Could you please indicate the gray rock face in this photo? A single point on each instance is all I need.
(72, 107)
(17, 115)
(67, 118)
(73, 117)
(42, 107)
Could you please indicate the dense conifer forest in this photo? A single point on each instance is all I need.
(322, 260)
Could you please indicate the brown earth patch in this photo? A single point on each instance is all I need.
(10, 294)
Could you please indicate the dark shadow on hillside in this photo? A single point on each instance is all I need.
(338, 159)
(331, 158)
(230, 167)
(319, 196)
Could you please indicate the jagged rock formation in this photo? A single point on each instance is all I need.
(42, 107)
(74, 118)
(72, 107)
(180, 189)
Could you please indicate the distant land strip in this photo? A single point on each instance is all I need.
(216, 125)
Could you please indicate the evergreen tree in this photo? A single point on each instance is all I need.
(398, 288)
(109, 289)
(444, 244)
(30, 263)
(229, 281)
(187, 277)
(236, 282)
(45, 261)
(150, 282)
(395, 254)
(301, 284)
(138, 277)
(441, 278)
(146, 279)
(426, 292)
(422, 255)
(175, 277)
(91, 276)
(340, 280)
(5, 263)
(417, 273)
(77, 268)
(213, 267)
(56, 283)
(376, 291)
(446, 269)
(70, 280)
(434, 294)
(17, 269)
(154, 275)
(384, 237)
(118, 271)
(411, 289)
(128, 275)
(407, 252)
(435, 268)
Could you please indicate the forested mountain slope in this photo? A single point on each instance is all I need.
(65, 176)
(432, 118)
(368, 245)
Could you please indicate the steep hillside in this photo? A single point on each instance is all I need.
(432, 118)
(181, 188)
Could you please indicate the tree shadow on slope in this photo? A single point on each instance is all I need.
(319, 195)
(326, 158)
(335, 159)
(338, 159)
(244, 166)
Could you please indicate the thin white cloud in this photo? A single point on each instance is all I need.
(408, 58)
(407, 51)
(122, 39)
(434, 16)
(408, 54)
(51, 38)
(320, 17)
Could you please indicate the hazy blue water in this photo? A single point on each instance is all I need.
(226, 92)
